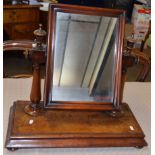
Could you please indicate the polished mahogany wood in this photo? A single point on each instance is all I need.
(37, 56)
(67, 128)
(35, 108)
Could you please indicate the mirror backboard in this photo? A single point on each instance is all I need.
(84, 57)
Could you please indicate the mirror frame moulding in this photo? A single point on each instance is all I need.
(120, 14)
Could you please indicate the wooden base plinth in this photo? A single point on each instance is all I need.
(66, 128)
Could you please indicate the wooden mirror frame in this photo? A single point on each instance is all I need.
(120, 14)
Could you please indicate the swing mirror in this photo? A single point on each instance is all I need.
(83, 58)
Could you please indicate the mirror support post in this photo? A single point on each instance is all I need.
(35, 108)
(37, 56)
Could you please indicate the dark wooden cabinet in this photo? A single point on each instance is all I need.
(19, 21)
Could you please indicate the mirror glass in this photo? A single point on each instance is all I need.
(84, 54)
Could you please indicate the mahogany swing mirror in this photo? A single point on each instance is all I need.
(84, 58)
(83, 81)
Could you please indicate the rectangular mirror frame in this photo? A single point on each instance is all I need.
(120, 14)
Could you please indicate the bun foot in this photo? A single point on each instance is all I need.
(139, 147)
(12, 149)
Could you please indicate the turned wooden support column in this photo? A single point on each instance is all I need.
(37, 56)
(35, 108)
(35, 95)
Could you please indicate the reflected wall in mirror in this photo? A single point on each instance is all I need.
(84, 57)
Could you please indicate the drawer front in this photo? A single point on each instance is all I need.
(24, 31)
(20, 15)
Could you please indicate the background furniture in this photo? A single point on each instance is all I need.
(136, 56)
(19, 21)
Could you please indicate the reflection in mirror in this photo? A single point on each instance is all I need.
(84, 58)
